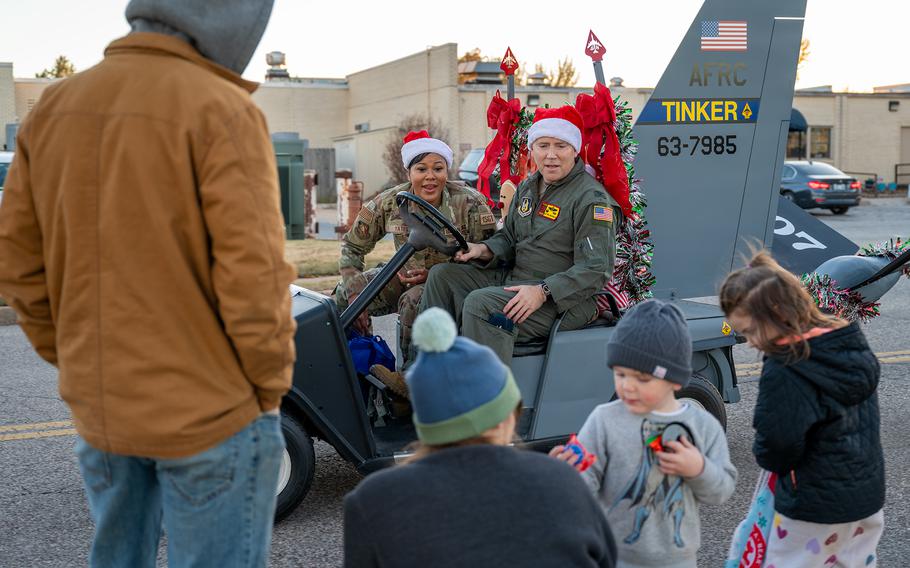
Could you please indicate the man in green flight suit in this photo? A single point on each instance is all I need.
(554, 252)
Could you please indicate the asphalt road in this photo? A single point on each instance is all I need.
(44, 520)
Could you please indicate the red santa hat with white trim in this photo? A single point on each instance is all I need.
(563, 123)
(417, 143)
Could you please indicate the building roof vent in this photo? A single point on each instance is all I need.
(276, 70)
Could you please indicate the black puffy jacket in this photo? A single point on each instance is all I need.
(817, 426)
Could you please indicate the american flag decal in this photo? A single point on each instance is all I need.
(602, 213)
(619, 295)
(724, 35)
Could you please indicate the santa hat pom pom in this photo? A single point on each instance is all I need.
(434, 331)
(412, 135)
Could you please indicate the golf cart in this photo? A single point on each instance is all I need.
(562, 377)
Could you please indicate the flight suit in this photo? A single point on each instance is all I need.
(564, 237)
(464, 207)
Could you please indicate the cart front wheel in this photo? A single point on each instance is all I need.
(298, 466)
(702, 393)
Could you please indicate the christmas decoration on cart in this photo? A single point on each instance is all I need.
(609, 148)
(850, 286)
(501, 155)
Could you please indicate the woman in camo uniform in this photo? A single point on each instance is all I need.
(428, 162)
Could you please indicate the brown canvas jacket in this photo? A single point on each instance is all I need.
(141, 244)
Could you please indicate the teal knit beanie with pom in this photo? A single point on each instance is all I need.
(459, 389)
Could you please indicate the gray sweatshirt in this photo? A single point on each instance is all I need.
(653, 516)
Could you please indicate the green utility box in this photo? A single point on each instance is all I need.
(289, 155)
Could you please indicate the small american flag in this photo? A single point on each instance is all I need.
(723, 35)
(622, 298)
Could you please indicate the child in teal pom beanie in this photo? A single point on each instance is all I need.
(466, 498)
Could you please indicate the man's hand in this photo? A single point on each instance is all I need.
(475, 251)
(526, 301)
(362, 323)
(683, 459)
(413, 277)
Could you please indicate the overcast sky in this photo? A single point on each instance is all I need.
(855, 45)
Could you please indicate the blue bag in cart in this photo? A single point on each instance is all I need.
(369, 350)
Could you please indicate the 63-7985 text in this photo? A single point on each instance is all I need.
(706, 145)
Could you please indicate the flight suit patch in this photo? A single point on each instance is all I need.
(603, 213)
(525, 208)
(362, 230)
(548, 211)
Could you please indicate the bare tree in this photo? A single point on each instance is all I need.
(803, 56)
(392, 154)
(472, 55)
(63, 67)
(566, 75)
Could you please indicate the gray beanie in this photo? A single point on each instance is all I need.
(653, 338)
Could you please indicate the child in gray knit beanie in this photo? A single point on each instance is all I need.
(664, 456)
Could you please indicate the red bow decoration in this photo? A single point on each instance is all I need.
(501, 115)
(599, 114)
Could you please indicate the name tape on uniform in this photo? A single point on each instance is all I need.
(699, 111)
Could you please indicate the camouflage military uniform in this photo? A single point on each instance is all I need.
(565, 237)
(463, 206)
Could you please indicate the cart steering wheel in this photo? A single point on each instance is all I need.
(427, 226)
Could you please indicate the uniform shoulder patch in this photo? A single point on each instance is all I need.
(487, 219)
(603, 213)
(367, 214)
(362, 230)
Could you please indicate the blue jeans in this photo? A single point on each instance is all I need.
(217, 506)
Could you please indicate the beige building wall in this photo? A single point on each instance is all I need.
(28, 91)
(7, 102)
(417, 84)
(317, 112)
(865, 135)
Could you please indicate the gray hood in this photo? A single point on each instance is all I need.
(224, 31)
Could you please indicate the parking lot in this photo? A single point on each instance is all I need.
(44, 520)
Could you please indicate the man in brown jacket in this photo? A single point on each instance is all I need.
(141, 244)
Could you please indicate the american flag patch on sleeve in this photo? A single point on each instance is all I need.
(603, 213)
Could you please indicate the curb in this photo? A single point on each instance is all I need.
(7, 316)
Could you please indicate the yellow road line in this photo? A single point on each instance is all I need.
(754, 370)
(889, 353)
(35, 435)
(36, 426)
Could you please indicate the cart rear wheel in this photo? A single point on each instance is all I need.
(298, 466)
(702, 393)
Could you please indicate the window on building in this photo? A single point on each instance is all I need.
(533, 100)
(821, 142)
(796, 145)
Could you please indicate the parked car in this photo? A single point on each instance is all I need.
(6, 158)
(819, 185)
